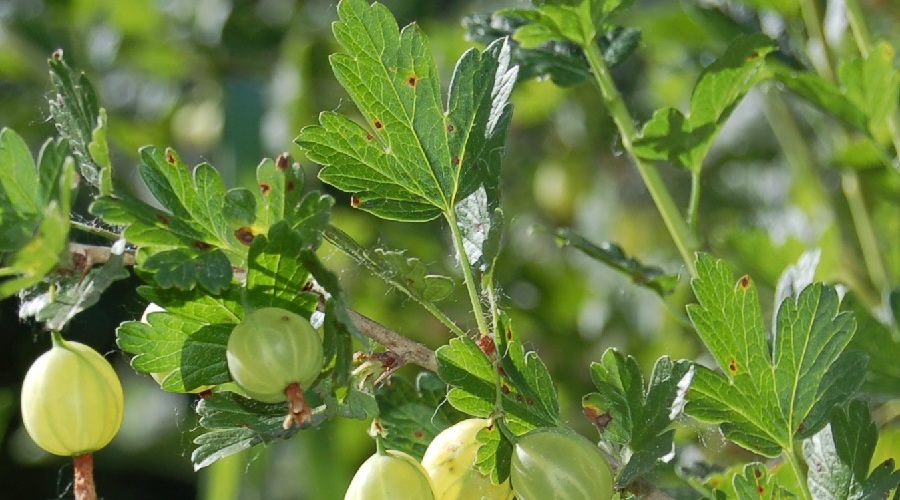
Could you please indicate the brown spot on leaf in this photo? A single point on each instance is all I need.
(757, 473)
(378, 124)
(418, 434)
(455, 161)
(744, 282)
(355, 201)
(509, 334)
(369, 136)
(290, 186)
(202, 245)
(504, 389)
(171, 158)
(244, 235)
(529, 402)
(760, 490)
(283, 161)
(801, 427)
(264, 188)
(732, 366)
(600, 420)
(162, 219)
(411, 80)
(519, 398)
(450, 128)
(205, 394)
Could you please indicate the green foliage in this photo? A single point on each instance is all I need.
(407, 275)
(765, 399)
(187, 341)
(755, 482)
(613, 256)
(577, 21)
(210, 254)
(839, 457)
(637, 418)
(236, 423)
(35, 200)
(56, 303)
(563, 62)
(473, 381)
(880, 345)
(80, 120)
(685, 140)
(412, 161)
(408, 416)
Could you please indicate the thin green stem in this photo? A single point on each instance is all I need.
(694, 203)
(794, 461)
(820, 55)
(99, 231)
(684, 239)
(864, 44)
(345, 243)
(468, 274)
(858, 27)
(865, 232)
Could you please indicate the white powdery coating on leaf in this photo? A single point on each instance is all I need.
(680, 394)
(474, 208)
(504, 81)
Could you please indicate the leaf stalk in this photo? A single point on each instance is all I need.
(468, 274)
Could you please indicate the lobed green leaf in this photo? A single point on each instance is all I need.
(638, 418)
(413, 161)
(764, 400)
(839, 458)
(188, 340)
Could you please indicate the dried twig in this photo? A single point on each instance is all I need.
(404, 349)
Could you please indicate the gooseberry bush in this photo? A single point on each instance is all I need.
(243, 310)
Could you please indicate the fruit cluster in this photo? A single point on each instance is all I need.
(546, 463)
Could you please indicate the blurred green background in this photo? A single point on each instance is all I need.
(232, 81)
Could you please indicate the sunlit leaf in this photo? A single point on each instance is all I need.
(412, 161)
(766, 398)
(187, 340)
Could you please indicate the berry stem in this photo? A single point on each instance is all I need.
(300, 413)
(84, 477)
